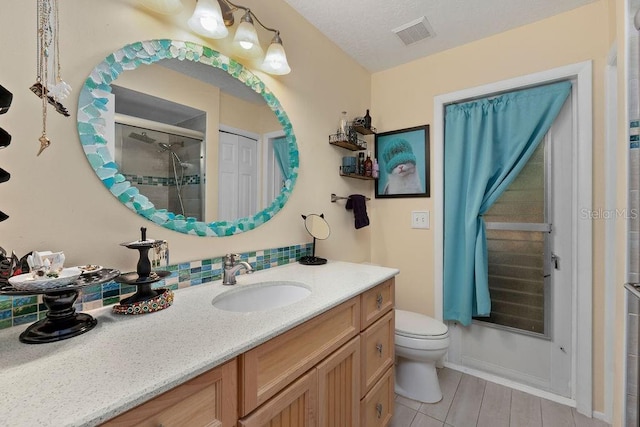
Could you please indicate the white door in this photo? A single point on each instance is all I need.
(237, 176)
(529, 339)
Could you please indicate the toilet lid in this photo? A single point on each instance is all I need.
(411, 324)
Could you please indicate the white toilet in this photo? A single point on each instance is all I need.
(420, 342)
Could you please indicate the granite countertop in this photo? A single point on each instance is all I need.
(126, 360)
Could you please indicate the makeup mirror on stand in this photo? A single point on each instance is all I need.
(318, 228)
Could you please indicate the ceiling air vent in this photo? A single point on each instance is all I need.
(414, 31)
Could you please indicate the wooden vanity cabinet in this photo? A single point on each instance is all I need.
(347, 352)
(207, 400)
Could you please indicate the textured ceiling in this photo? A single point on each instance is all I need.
(363, 28)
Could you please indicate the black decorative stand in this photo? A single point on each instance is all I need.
(62, 321)
(144, 299)
(312, 259)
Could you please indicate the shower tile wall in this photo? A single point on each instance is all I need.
(146, 167)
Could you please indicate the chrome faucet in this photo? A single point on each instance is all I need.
(231, 267)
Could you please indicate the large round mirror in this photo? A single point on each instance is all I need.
(187, 138)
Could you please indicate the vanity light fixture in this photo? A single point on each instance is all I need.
(275, 61)
(211, 19)
(246, 41)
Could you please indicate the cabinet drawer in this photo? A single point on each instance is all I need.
(376, 408)
(207, 400)
(377, 351)
(376, 302)
(268, 368)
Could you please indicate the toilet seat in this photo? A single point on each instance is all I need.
(417, 326)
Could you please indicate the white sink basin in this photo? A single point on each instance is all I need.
(261, 296)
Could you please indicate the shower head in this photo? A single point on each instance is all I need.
(169, 147)
(164, 146)
(142, 137)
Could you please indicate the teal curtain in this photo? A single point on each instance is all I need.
(486, 144)
(281, 151)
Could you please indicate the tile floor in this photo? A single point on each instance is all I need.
(470, 401)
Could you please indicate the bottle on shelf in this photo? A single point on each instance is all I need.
(360, 170)
(343, 127)
(375, 171)
(367, 120)
(368, 165)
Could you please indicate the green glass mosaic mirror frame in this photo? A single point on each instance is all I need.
(93, 102)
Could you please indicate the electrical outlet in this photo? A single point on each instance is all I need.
(420, 219)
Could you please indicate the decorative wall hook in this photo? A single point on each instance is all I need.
(5, 100)
(5, 138)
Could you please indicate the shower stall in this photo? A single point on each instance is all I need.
(165, 162)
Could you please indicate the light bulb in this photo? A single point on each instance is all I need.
(246, 41)
(275, 61)
(207, 20)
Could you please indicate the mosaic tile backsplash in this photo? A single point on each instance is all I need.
(161, 180)
(16, 311)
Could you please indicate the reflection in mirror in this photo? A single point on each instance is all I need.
(318, 228)
(165, 166)
(185, 143)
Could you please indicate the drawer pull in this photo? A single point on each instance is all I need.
(379, 348)
(379, 410)
(379, 301)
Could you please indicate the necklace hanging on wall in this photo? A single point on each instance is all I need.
(49, 85)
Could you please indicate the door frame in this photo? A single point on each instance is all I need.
(269, 166)
(581, 200)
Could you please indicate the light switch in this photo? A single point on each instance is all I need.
(420, 219)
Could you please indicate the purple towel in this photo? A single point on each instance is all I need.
(358, 203)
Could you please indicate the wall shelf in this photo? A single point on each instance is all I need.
(356, 176)
(364, 131)
(347, 144)
(350, 141)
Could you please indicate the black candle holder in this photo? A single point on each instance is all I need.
(143, 278)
